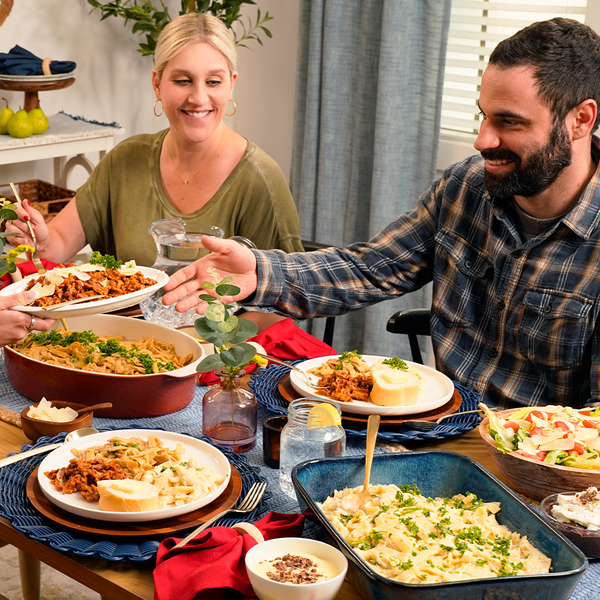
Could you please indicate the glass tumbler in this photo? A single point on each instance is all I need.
(299, 442)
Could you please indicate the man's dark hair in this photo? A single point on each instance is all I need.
(565, 55)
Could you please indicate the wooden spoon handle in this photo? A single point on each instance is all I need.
(372, 428)
(80, 411)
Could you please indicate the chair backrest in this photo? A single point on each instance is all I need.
(309, 246)
(411, 322)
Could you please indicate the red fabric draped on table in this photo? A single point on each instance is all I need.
(26, 268)
(211, 566)
(286, 341)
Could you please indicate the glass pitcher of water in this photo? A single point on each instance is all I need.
(176, 248)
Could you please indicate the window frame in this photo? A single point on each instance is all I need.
(454, 147)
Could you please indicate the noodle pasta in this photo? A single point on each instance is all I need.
(409, 538)
(102, 354)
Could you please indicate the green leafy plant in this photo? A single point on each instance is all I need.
(7, 261)
(226, 332)
(149, 18)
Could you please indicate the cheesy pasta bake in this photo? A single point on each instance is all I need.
(412, 539)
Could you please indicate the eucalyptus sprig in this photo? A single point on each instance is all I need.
(226, 332)
(150, 19)
(7, 262)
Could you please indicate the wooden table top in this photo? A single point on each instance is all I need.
(133, 581)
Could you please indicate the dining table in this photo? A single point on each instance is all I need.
(131, 580)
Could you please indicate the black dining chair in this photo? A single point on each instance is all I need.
(412, 322)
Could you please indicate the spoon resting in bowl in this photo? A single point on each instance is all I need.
(71, 437)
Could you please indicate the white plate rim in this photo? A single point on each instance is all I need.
(37, 78)
(89, 308)
(368, 408)
(74, 503)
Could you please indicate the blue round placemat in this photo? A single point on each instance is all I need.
(16, 507)
(264, 383)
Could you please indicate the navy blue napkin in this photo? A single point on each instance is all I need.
(22, 62)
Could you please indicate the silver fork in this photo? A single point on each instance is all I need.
(35, 257)
(314, 382)
(248, 504)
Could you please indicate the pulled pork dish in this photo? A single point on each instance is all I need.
(102, 276)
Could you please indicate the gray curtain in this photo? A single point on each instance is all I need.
(367, 118)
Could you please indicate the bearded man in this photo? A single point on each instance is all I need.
(510, 238)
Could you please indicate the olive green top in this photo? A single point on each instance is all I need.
(124, 195)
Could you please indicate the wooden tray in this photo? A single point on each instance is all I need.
(354, 421)
(138, 529)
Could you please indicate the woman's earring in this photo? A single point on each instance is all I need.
(234, 108)
(161, 108)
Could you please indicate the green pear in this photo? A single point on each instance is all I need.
(5, 114)
(38, 120)
(19, 125)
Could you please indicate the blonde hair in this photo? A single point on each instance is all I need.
(189, 29)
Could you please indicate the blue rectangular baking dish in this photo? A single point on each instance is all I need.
(442, 474)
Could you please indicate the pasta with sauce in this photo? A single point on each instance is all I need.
(86, 351)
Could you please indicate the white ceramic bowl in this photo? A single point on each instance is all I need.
(267, 589)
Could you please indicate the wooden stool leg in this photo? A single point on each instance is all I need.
(29, 568)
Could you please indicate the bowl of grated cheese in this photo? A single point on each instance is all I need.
(51, 418)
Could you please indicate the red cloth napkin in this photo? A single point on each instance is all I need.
(283, 340)
(211, 566)
(26, 268)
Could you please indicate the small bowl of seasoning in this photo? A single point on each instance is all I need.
(577, 516)
(295, 569)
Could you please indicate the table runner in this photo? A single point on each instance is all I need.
(190, 420)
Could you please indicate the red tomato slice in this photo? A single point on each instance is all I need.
(535, 430)
(539, 455)
(585, 413)
(512, 425)
(589, 424)
(536, 413)
(579, 447)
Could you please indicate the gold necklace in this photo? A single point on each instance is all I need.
(185, 181)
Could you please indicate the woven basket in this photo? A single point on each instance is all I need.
(48, 198)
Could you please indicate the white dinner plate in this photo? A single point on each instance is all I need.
(78, 505)
(94, 307)
(438, 389)
(36, 78)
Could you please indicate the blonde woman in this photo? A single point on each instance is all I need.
(198, 169)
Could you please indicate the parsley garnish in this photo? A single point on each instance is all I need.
(396, 363)
(106, 260)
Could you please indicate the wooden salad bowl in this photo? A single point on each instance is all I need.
(533, 478)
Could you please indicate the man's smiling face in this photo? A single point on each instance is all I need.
(524, 149)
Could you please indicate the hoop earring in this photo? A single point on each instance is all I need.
(234, 108)
(162, 110)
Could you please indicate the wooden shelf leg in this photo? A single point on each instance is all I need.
(29, 568)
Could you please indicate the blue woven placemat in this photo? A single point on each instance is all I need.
(264, 383)
(15, 506)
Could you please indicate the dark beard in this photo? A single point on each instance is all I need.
(534, 175)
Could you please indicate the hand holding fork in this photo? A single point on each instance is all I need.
(35, 257)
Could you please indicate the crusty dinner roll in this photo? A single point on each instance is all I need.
(394, 387)
(127, 495)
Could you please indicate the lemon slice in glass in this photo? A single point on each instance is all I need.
(323, 415)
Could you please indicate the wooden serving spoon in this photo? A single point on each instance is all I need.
(100, 406)
(372, 428)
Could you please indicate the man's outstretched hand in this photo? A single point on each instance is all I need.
(228, 259)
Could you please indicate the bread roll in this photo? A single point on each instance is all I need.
(394, 387)
(127, 495)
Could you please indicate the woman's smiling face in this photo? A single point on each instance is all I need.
(195, 88)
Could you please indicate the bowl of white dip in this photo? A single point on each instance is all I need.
(295, 569)
(577, 516)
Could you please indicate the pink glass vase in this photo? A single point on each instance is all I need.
(229, 413)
